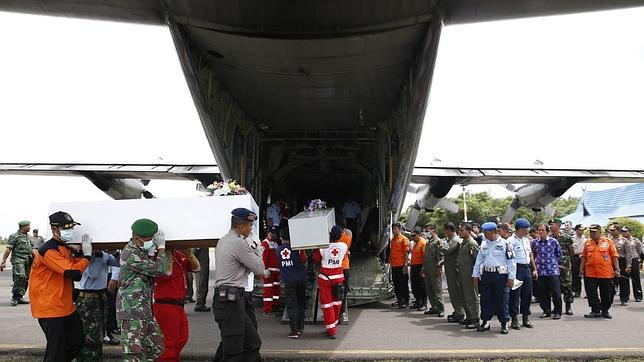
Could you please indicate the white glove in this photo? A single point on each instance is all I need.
(159, 240)
(152, 250)
(267, 273)
(86, 245)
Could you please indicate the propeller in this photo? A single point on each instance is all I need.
(426, 200)
(511, 210)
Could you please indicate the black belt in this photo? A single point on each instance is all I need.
(523, 265)
(170, 301)
(231, 289)
(96, 291)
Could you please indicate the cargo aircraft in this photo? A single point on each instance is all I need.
(317, 99)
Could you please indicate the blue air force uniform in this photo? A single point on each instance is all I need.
(521, 297)
(494, 265)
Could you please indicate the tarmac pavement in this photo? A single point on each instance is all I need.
(376, 332)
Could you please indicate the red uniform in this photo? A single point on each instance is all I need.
(271, 287)
(169, 294)
(330, 274)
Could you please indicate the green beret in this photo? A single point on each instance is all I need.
(24, 223)
(145, 228)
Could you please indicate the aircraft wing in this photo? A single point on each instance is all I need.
(204, 173)
(468, 176)
(225, 11)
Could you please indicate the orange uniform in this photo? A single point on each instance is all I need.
(399, 246)
(418, 252)
(346, 238)
(52, 280)
(599, 258)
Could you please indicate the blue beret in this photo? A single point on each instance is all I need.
(244, 214)
(489, 226)
(522, 223)
(336, 233)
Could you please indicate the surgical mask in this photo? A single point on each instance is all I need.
(147, 245)
(67, 235)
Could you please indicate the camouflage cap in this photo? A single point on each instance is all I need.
(24, 223)
(145, 228)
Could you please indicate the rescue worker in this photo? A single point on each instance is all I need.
(565, 266)
(293, 274)
(347, 238)
(494, 273)
(91, 305)
(201, 279)
(141, 336)
(417, 280)
(547, 252)
(526, 271)
(235, 258)
(331, 280)
(599, 264)
(636, 250)
(399, 261)
(169, 299)
(20, 248)
(467, 254)
(271, 284)
(56, 267)
(433, 270)
(578, 242)
(624, 251)
(36, 240)
(454, 288)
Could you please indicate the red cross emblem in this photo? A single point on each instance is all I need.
(286, 254)
(335, 252)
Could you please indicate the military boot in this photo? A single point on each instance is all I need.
(504, 328)
(515, 323)
(568, 308)
(526, 322)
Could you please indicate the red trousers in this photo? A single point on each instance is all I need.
(331, 308)
(271, 291)
(174, 325)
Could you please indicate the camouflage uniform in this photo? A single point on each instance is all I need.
(141, 336)
(21, 258)
(565, 267)
(91, 310)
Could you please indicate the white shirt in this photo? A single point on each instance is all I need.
(521, 248)
(578, 243)
(273, 212)
(351, 209)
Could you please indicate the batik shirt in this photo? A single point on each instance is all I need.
(546, 255)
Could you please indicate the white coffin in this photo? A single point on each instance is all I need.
(310, 229)
(193, 218)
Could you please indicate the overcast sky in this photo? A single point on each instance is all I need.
(505, 93)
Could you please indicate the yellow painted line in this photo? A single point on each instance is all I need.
(454, 351)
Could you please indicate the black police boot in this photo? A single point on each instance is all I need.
(526, 322)
(515, 323)
(504, 328)
(568, 308)
(483, 326)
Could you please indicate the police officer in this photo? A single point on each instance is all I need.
(522, 295)
(450, 250)
(495, 270)
(235, 259)
(21, 249)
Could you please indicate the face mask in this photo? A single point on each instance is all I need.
(67, 235)
(147, 245)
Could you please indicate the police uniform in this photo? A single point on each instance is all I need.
(235, 259)
(624, 250)
(636, 250)
(521, 297)
(494, 266)
(331, 280)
